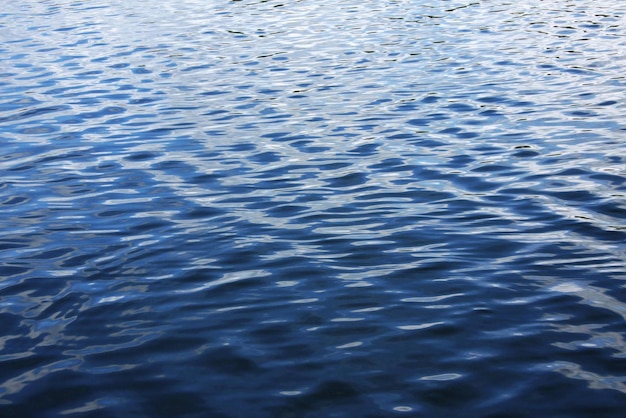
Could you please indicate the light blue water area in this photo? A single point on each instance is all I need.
(327, 208)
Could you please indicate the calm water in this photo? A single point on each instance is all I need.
(331, 208)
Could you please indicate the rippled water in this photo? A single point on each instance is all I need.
(327, 208)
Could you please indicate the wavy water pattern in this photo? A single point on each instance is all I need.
(312, 208)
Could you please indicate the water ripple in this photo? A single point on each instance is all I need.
(312, 208)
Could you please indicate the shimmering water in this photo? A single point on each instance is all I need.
(329, 208)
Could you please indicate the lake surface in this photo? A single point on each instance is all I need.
(330, 208)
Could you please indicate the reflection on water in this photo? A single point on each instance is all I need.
(328, 208)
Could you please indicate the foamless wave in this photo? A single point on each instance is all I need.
(311, 209)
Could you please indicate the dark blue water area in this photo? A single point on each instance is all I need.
(327, 208)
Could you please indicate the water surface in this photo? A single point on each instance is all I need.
(326, 208)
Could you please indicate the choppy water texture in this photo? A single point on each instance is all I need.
(313, 208)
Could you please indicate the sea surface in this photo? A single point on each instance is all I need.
(312, 208)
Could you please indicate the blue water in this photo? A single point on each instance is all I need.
(329, 208)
